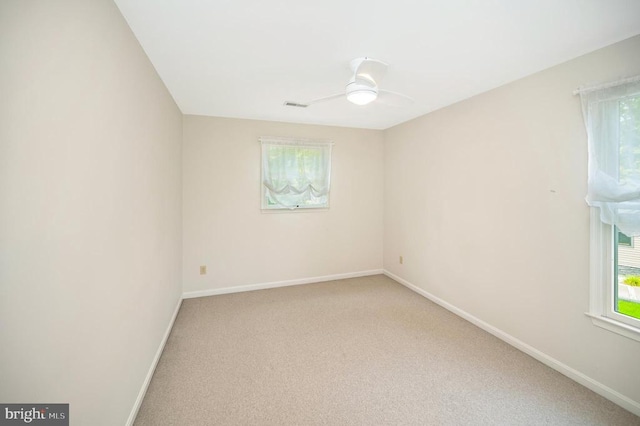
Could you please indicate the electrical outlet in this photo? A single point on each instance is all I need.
(203, 270)
(401, 260)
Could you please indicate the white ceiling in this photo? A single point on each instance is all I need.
(244, 58)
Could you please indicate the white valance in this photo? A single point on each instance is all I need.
(612, 119)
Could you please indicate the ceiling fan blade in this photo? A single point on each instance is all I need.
(371, 70)
(394, 99)
(326, 98)
(314, 101)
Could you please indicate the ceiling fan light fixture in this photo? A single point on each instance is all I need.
(361, 94)
(362, 97)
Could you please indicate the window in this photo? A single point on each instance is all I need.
(296, 173)
(623, 240)
(612, 118)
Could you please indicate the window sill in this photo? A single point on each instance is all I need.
(615, 326)
(296, 210)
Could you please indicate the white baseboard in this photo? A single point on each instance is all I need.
(152, 368)
(275, 284)
(575, 375)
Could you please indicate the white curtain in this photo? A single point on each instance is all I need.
(296, 173)
(612, 118)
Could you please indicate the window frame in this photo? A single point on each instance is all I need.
(603, 281)
(293, 142)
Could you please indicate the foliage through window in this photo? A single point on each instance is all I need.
(296, 173)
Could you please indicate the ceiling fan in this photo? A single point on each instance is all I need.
(363, 88)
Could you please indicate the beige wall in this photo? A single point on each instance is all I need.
(225, 229)
(90, 216)
(485, 201)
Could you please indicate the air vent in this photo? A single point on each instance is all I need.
(295, 104)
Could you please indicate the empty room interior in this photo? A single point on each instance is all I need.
(278, 212)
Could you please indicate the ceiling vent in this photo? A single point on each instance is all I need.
(295, 104)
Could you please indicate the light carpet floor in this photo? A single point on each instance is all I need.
(363, 351)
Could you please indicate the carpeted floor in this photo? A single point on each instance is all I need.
(363, 351)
